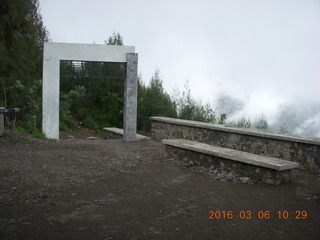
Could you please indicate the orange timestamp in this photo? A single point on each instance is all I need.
(298, 215)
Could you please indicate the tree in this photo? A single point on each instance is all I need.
(159, 101)
(115, 39)
(21, 41)
(153, 101)
(190, 109)
(241, 123)
(284, 128)
(222, 119)
(262, 123)
(22, 35)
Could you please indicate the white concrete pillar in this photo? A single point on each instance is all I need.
(50, 94)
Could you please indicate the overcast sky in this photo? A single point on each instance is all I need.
(264, 52)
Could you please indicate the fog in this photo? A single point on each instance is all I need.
(300, 118)
(261, 57)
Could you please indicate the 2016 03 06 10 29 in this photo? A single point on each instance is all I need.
(263, 214)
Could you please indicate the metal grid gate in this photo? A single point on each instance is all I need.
(100, 76)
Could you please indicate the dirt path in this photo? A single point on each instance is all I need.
(110, 189)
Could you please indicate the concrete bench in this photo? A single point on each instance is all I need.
(270, 170)
(117, 133)
(3, 111)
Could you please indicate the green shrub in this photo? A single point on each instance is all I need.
(284, 128)
(262, 123)
(29, 128)
(89, 122)
(241, 123)
(222, 119)
(67, 101)
(63, 126)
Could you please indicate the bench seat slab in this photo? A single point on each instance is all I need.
(257, 167)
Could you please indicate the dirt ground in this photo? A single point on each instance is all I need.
(110, 189)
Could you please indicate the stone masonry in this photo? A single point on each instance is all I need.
(305, 151)
(112, 135)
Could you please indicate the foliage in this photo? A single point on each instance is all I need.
(190, 109)
(284, 128)
(114, 109)
(153, 101)
(101, 105)
(241, 123)
(67, 100)
(29, 128)
(21, 42)
(222, 119)
(115, 39)
(262, 123)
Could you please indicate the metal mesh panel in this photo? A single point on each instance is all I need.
(97, 77)
(85, 69)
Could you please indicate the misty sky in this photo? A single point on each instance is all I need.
(266, 53)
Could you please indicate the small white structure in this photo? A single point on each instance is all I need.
(53, 53)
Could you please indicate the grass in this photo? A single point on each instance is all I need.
(25, 141)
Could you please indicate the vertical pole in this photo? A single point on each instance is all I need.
(2, 111)
(130, 99)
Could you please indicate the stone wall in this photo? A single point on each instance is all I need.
(304, 150)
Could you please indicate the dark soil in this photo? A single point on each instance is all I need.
(110, 189)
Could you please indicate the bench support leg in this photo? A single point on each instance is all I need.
(1, 124)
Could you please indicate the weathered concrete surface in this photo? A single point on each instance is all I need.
(130, 98)
(53, 53)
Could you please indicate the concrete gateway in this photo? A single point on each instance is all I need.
(54, 53)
